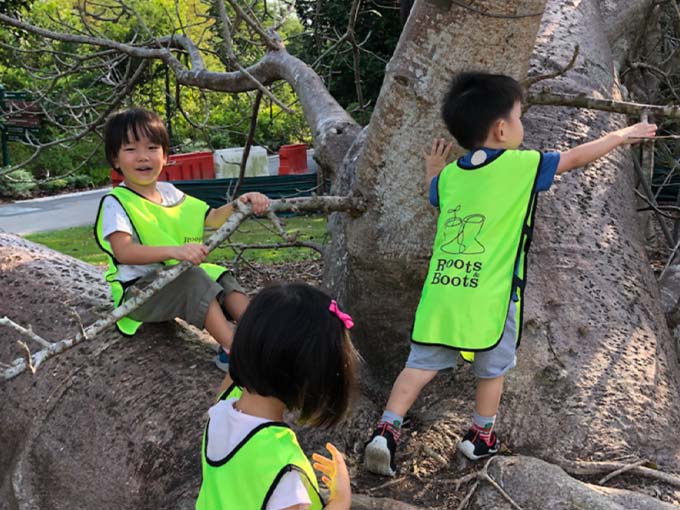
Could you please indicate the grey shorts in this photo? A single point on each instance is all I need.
(486, 365)
(187, 297)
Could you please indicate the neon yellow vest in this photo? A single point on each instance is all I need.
(155, 225)
(483, 234)
(246, 478)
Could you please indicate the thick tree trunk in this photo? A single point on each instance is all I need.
(597, 376)
(597, 354)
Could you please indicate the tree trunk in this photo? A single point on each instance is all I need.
(596, 354)
(596, 375)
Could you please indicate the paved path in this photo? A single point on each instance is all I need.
(75, 209)
(51, 213)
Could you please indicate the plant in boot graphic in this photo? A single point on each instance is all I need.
(465, 231)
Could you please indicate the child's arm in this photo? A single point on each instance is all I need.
(335, 477)
(583, 154)
(129, 252)
(435, 161)
(217, 217)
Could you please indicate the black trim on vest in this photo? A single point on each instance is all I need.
(110, 253)
(486, 161)
(230, 455)
(184, 196)
(522, 246)
(96, 234)
(528, 231)
(225, 393)
(286, 469)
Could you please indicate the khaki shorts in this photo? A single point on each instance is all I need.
(187, 297)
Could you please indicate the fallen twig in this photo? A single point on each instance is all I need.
(467, 497)
(6, 321)
(484, 474)
(386, 484)
(587, 468)
(621, 471)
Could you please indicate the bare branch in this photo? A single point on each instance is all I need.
(547, 98)
(249, 143)
(532, 80)
(271, 43)
(6, 321)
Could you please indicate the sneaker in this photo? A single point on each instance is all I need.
(380, 450)
(222, 361)
(475, 448)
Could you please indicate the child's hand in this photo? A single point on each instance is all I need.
(259, 201)
(335, 477)
(639, 130)
(435, 161)
(194, 253)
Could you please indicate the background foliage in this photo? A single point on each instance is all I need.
(196, 119)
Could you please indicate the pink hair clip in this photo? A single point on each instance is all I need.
(345, 318)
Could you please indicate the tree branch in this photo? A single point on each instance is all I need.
(532, 80)
(332, 127)
(547, 98)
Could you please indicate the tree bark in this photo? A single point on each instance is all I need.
(597, 376)
(596, 353)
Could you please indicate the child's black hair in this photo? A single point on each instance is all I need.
(135, 121)
(290, 346)
(474, 102)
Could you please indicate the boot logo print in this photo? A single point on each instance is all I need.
(461, 234)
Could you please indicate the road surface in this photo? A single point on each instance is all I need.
(73, 210)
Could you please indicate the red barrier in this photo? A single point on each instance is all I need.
(293, 159)
(181, 167)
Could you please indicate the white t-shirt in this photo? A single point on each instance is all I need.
(115, 219)
(227, 428)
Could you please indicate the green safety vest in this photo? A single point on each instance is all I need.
(246, 478)
(483, 235)
(155, 225)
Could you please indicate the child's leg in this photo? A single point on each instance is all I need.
(406, 389)
(423, 364)
(218, 326)
(193, 297)
(490, 368)
(234, 297)
(488, 395)
(235, 304)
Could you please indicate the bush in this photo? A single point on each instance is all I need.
(80, 181)
(18, 184)
(53, 185)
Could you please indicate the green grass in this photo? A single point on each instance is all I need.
(79, 242)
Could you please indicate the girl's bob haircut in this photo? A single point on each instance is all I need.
(290, 346)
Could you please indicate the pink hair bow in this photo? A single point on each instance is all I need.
(345, 318)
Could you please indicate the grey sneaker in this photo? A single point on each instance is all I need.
(380, 450)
